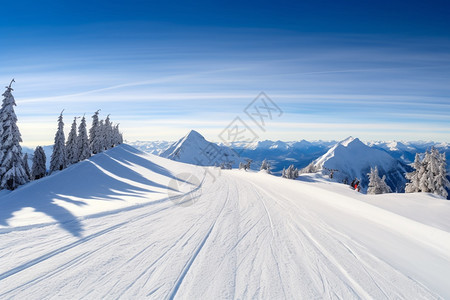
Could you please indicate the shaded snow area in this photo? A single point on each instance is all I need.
(106, 228)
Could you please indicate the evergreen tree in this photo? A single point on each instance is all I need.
(94, 139)
(84, 151)
(38, 168)
(424, 180)
(377, 185)
(413, 185)
(265, 166)
(291, 172)
(119, 136)
(12, 171)
(429, 175)
(58, 160)
(72, 148)
(26, 166)
(101, 133)
(108, 133)
(441, 179)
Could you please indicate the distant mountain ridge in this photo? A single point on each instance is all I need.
(301, 153)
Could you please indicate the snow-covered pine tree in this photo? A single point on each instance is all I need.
(241, 166)
(26, 166)
(84, 151)
(12, 170)
(58, 160)
(413, 185)
(294, 172)
(94, 139)
(433, 167)
(384, 187)
(265, 166)
(430, 174)
(424, 183)
(108, 133)
(102, 135)
(441, 178)
(72, 149)
(290, 173)
(377, 185)
(117, 136)
(248, 164)
(38, 168)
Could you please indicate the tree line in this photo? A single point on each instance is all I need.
(14, 169)
(103, 135)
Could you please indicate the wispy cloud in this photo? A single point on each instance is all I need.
(157, 88)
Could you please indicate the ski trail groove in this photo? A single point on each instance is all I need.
(186, 268)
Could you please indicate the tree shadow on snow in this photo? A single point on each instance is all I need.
(84, 180)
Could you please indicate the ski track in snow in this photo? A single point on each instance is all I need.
(247, 236)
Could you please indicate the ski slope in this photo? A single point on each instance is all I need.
(109, 230)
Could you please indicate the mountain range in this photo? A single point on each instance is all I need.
(301, 153)
(349, 158)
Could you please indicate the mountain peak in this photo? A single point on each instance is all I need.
(353, 159)
(193, 148)
(348, 141)
(194, 135)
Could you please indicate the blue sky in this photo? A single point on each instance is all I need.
(378, 71)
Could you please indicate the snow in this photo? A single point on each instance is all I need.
(195, 149)
(152, 147)
(105, 228)
(353, 159)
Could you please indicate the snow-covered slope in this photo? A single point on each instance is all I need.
(353, 159)
(193, 148)
(107, 228)
(115, 179)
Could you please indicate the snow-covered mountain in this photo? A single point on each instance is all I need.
(282, 154)
(301, 153)
(193, 148)
(351, 159)
(406, 151)
(152, 147)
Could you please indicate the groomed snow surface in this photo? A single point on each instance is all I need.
(106, 228)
